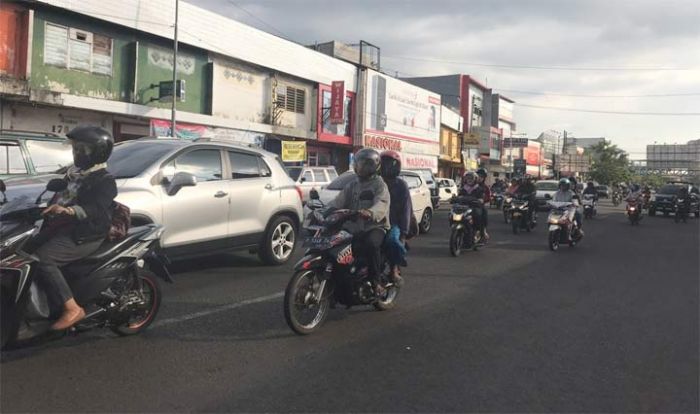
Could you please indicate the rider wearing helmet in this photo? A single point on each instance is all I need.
(369, 195)
(400, 212)
(527, 191)
(79, 218)
(474, 191)
(566, 195)
(590, 189)
(482, 174)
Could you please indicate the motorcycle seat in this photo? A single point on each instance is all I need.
(110, 248)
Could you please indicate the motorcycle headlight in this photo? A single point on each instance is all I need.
(553, 220)
(457, 217)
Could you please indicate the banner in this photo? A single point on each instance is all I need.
(161, 128)
(338, 102)
(294, 151)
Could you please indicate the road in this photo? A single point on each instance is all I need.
(608, 326)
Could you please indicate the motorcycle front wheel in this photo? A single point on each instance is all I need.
(148, 288)
(554, 240)
(303, 311)
(456, 242)
(506, 217)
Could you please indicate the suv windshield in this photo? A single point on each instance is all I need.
(670, 189)
(547, 185)
(132, 158)
(340, 182)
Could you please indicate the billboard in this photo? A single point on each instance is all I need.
(397, 108)
(294, 151)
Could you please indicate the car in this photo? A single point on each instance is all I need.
(447, 188)
(603, 191)
(210, 196)
(545, 192)
(663, 200)
(420, 195)
(311, 177)
(431, 182)
(24, 154)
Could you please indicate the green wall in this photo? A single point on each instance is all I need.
(150, 66)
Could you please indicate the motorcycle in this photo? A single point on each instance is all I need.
(616, 198)
(497, 199)
(589, 206)
(681, 210)
(329, 273)
(116, 285)
(520, 216)
(634, 212)
(463, 233)
(507, 204)
(562, 225)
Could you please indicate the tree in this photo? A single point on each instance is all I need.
(610, 164)
(654, 180)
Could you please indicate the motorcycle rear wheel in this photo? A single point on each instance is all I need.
(152, 293)
(388, 301)
(296, 298)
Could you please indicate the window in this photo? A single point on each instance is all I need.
(335, 129)
(265, 170)
(291, 99)
(332, 174)
(77, 49)
(132, 158)
(204, 164)
(308, 177)
(49, 156)
(412, 181)
(244, 165)
(320, 175)
(11, 160)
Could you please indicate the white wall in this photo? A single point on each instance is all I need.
(240, 93)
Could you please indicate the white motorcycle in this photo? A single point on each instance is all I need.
(590, 206)
(562, 225)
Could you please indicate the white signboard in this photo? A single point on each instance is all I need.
(399, 109)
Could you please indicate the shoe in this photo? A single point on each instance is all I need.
(397, 280)
(68, 319)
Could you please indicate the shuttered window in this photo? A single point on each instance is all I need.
(77, 49)
(291, 99)
(56, 45)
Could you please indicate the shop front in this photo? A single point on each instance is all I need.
(48, 119)
(335, 125)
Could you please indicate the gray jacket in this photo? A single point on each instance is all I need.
(349, 198)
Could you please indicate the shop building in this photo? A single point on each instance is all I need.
(450, 162)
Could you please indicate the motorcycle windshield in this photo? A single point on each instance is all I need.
(16, 207)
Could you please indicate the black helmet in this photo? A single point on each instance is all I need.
(391, 164)
(590, 184)
(566, 183)
(482, 172)
(367, 162)
(91, 145)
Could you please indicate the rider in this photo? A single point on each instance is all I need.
(566, 195)
(400, 212)
(635, 193)
(527, 191)
(590, 189)
(375, 210)
(514, 184)
(471, 188)
(499, 186)
(84, 210)
(646, 193)
(481, 179)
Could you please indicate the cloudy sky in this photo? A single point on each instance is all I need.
(619, 39)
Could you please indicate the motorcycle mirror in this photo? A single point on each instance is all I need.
(313, 194)
(367, 195)
(56, 185)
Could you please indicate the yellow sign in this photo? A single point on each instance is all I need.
(471, 138)
(294, 151)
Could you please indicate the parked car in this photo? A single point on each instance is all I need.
(210, 196)
(431, 182)
(603, 191)
(447, 188)
(311, 177)
(420, 195)
(545, 192)
(25, 154)
(663, 200)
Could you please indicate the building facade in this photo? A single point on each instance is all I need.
(675, 159)
(450, 162)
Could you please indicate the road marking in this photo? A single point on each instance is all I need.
(217, 309)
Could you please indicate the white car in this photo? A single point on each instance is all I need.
(545, 192)
(448, 188)
(420, 195)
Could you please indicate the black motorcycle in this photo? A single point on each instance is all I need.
(520, 216)
(497, 199)
(463, 232)
(116, 285)
(329, 273)
(507, 204)
(681, 207)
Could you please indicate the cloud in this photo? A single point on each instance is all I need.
(577, 33)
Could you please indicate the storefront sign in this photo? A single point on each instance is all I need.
(161, 128)
(338, 102)
(399, 109)
(294, 151)
(415, 161)
(515, 142)
(381, 143)
(50, 120)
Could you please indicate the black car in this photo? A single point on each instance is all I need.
(663, 200)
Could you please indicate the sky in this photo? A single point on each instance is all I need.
(615, 52)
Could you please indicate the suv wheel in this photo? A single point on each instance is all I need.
(426, 221)
(279, 241)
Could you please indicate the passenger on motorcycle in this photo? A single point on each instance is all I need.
(475, 192)
(400, 213)
(79, 218)
(514, 184)
(566, 195)
(368, 243)
(481, 174)
(527, 191)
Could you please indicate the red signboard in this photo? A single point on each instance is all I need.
(338, 102)
(382, 143)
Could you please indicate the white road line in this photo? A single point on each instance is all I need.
(217, 309)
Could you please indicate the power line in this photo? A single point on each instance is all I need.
(539, 67)
(258, 19)
(573, 95)
(597, 111)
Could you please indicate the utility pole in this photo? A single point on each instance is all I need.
(174, 107)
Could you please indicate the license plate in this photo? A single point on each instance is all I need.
(317, 242)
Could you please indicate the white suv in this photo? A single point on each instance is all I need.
(210, 196)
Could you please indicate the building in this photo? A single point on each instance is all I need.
(674, 159)
(450, 162)
(585, 143)
(111, 64)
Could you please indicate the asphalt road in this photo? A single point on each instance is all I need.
(608, 326)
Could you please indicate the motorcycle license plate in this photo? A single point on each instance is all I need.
(553, 227)
(317, 242)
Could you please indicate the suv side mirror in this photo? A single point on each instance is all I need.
(181, 179)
